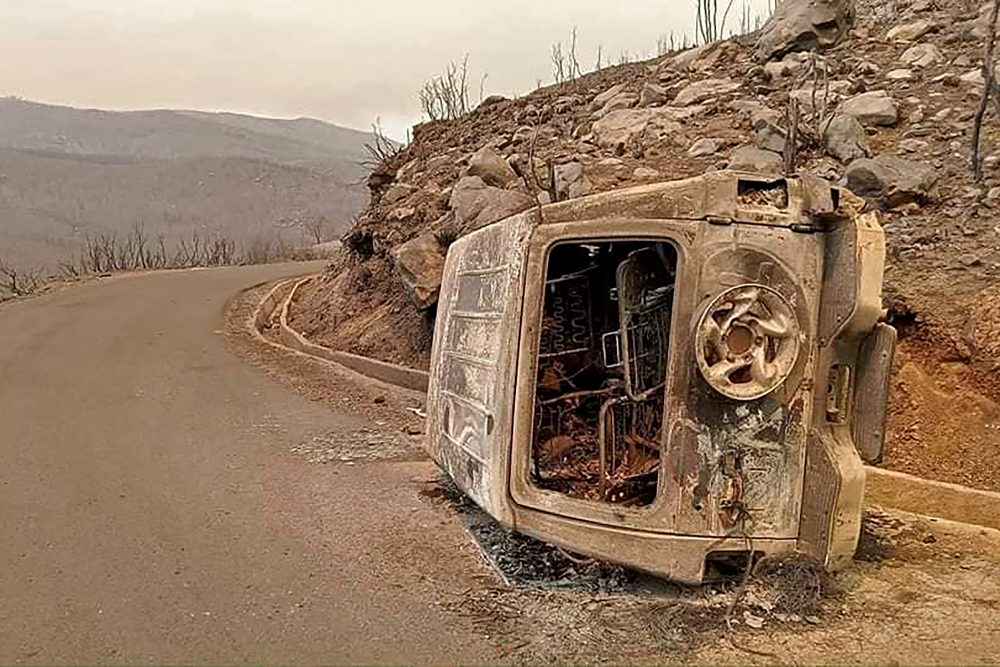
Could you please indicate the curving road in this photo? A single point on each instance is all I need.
(151, 509)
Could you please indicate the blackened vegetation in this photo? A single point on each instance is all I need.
(523, 561)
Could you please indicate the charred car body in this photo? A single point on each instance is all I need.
(674, 377)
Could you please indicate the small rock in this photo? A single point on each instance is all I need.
(753, 621)
(403, 213)
(969, 260)
(900, 75)
(490, 166)
(645, 173)
(845, 139)
(693, 59)
(398, 192)
(828, 171)
(872, 108)
(622, 101)
(892, 181)
(942, 115)
(565, 104)
(760, 113)
(777, 72)
(570, 181)
(606, 97)
(652, 95)
(807, 97)
(437, 162)
(973, 77)
(770, 137)
(705, 146)
(912, 145)
(699, 91)
(922, 55)
(755, 160)
(910, 32)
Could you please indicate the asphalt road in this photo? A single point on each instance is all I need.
(151, 509)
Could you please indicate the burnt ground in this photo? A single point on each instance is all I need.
(919, 590)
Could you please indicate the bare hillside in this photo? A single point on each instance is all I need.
(68, 172)
(884, 107)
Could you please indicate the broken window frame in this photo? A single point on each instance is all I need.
(545, 238)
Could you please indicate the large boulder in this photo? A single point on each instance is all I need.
(476, 204)
(845, 138)
(892, 181)
(804, 25)
(420, 265)
(490, 166)
(872, 108)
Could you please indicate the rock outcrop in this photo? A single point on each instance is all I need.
(804, 25)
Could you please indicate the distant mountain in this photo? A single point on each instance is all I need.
(65, 172)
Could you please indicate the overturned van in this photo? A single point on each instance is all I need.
(675, 377)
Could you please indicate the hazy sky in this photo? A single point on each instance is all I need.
(345, 62)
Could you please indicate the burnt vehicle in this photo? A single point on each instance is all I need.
(677, 377)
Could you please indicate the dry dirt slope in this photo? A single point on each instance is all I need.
(65, 172)
(901, 84)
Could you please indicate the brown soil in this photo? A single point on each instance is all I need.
(944, 257)
(944, 418)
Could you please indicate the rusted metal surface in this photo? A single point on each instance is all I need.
(667, 372)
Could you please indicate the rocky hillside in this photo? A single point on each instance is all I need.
(884, 94)
(66, 172)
